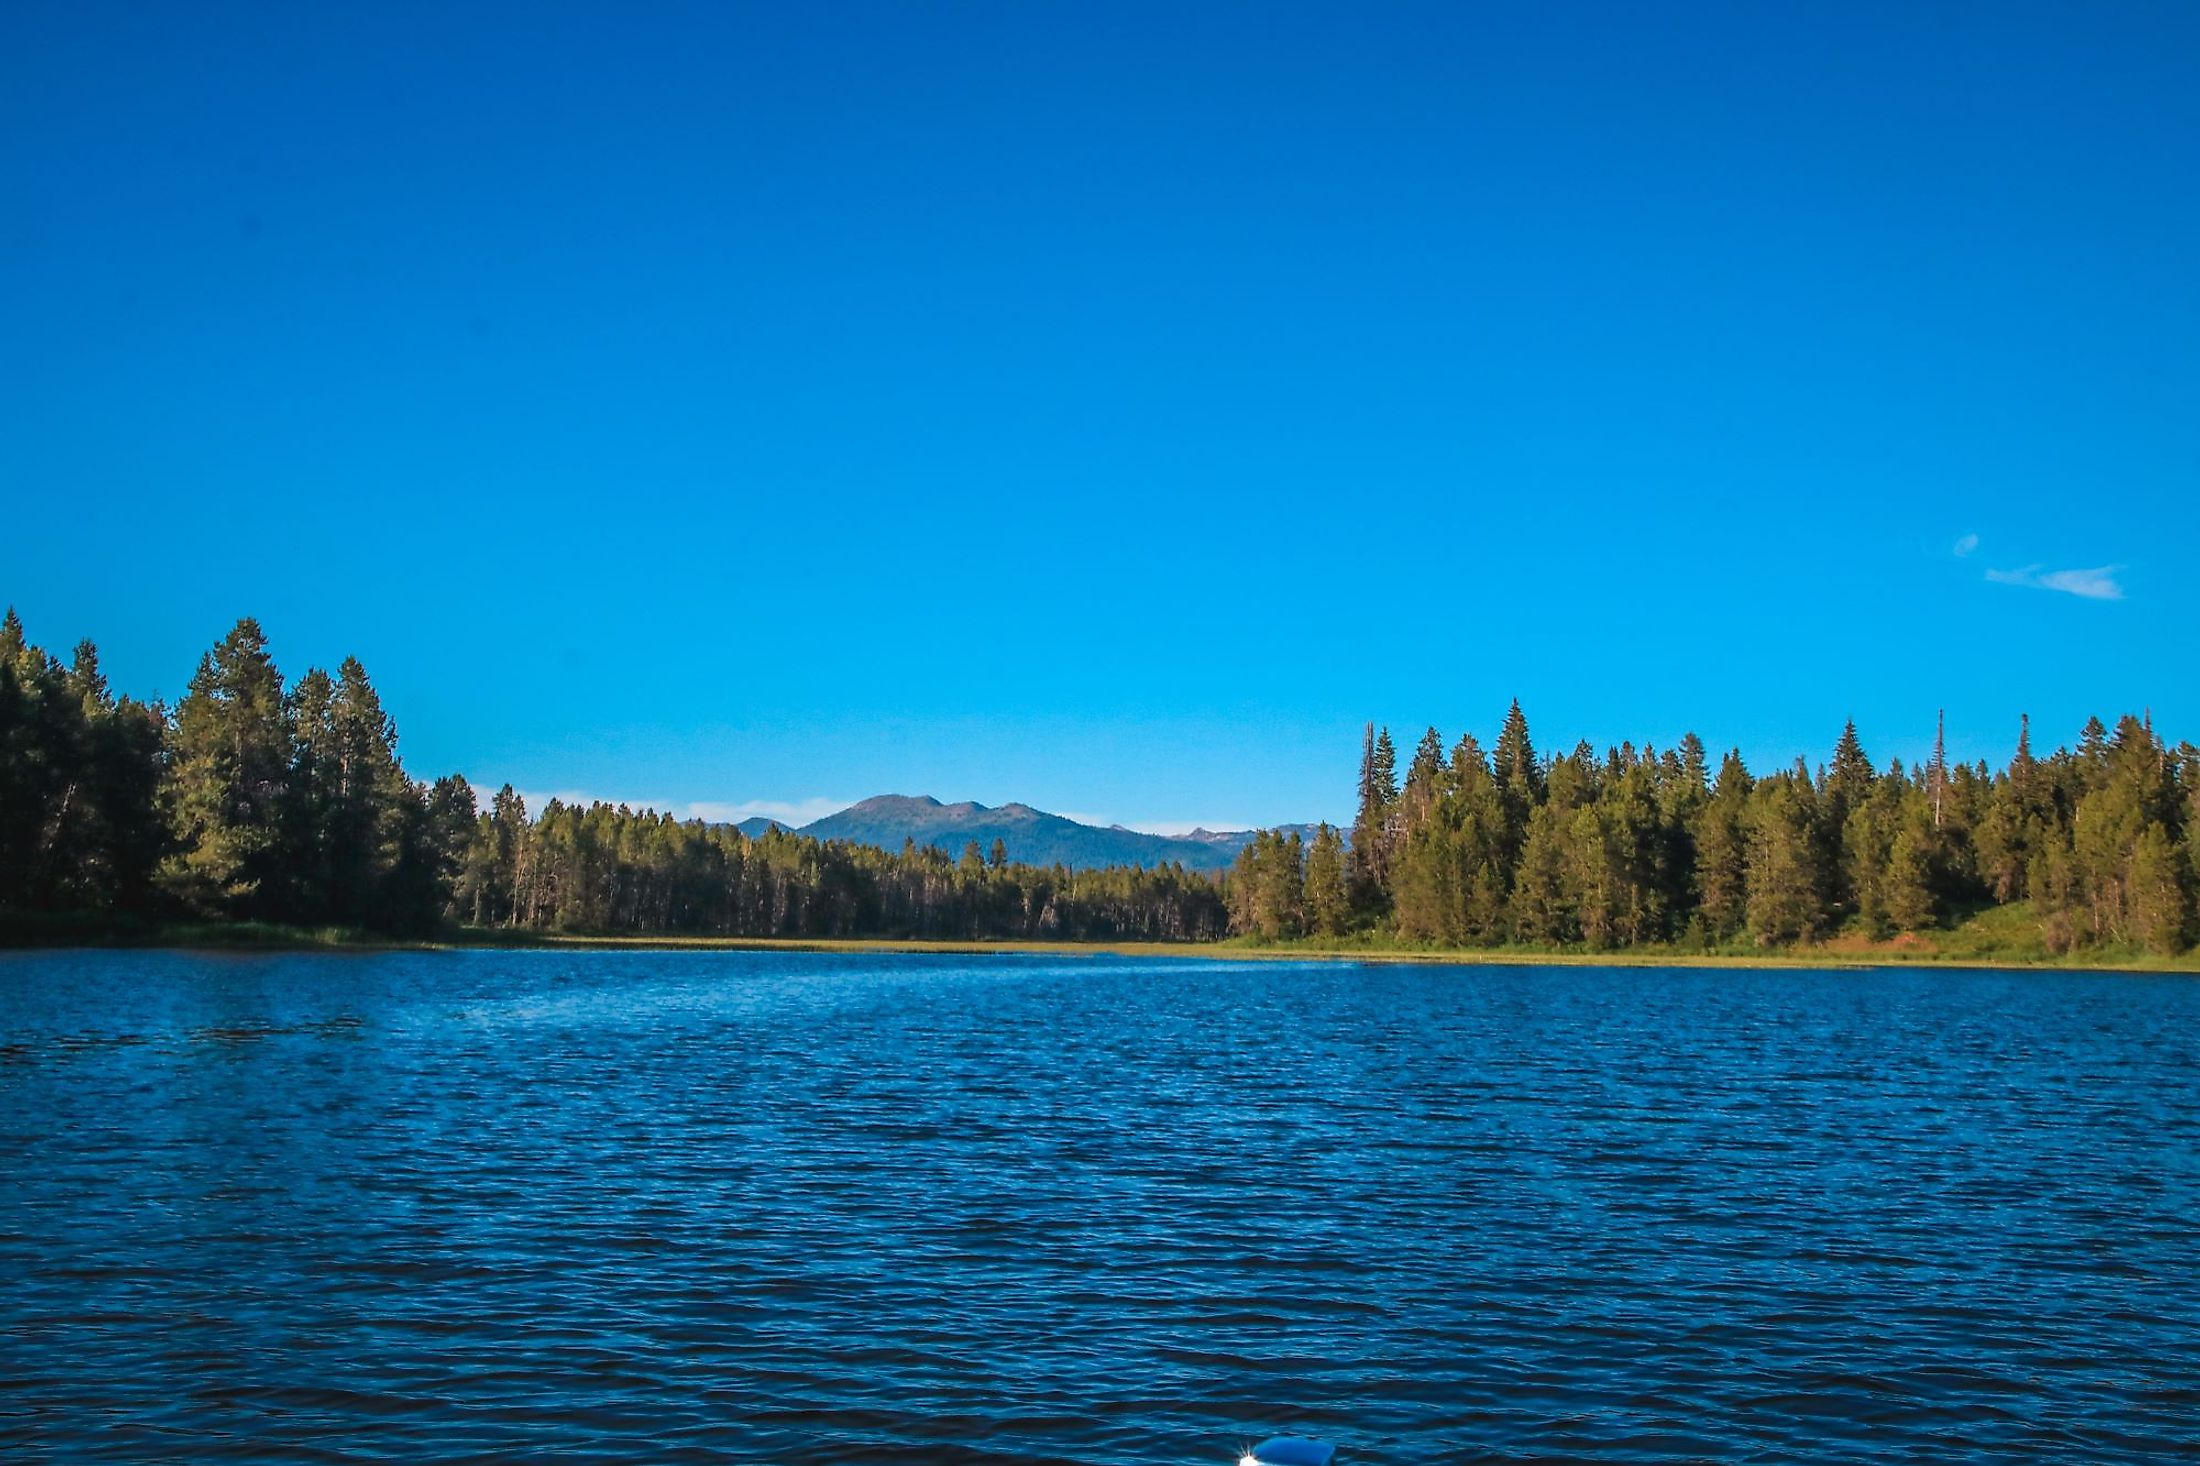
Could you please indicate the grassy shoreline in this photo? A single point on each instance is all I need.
(49, 933)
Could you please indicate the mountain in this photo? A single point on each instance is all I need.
(1032, 836)
(757, 824)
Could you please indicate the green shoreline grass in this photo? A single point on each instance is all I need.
(49, 933)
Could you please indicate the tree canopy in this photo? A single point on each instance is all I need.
(2100, 845)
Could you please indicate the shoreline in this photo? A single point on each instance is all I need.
(262, 938)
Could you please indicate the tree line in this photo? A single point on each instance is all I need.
(2098, 845)
(257, 800)
(253, 799)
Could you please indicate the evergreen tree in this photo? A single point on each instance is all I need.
(1328, 900)
(1695, 768)
(436, 832)
(1371, 828)
(2017, 816)
(1907, 882)
(1785, 884)
(1542, 907)
(1848, 784)
(1513, 762)
(1721, 839)
(2160, 896)
(1268, 887)
(1481, 872)
(1425, 781)
(230, 777)
(373, 806)
(489, 886)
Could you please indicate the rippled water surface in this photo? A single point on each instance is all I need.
(779, 1207)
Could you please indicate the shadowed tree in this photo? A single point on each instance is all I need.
(229, 778)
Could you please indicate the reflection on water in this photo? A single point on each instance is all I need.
(790, 1207)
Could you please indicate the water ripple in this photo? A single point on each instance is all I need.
(809, 1208)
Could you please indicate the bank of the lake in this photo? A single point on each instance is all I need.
(1959, 949)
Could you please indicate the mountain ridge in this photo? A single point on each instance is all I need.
(1031, 836)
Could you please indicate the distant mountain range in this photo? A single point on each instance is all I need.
(1031, 836)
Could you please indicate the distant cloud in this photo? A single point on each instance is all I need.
(793, 813)
(1169, 828)
(1966, 545)
(535, 799)
(1185, 827)
(2097, 584)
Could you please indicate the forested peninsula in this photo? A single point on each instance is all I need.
(2089, 850)
(257, 802)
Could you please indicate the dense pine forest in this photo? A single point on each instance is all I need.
(2095, 848)
(256, 801)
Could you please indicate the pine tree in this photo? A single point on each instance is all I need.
(1328, 901)
(1479, 874)
(1425, 780)
(488, 886)
(1695, 767)
(1513, 762)
(315, 798)
(373, 804)
(436, 835)
(1907, 883)
(1936, 786)
(1848, 784)
(1268, 887)
(1541, 909)
(1786, 901)
(2012, 823)
(229, 780)
(1371, 829)
(1721, 839)
(2160, 898)
(2092, 752)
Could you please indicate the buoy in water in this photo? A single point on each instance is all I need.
(1289, 1450)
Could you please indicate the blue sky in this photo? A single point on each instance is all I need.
(1111, 407)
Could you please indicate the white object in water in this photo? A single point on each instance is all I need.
(1289, 1450)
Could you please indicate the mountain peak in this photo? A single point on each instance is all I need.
(884, 802)
(1032, 836)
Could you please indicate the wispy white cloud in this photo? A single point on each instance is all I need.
(2096, 584)
(793, 813)
(1966, 545)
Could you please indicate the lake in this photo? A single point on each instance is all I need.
(696, 1206)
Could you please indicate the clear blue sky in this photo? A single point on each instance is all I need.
(1111, 406)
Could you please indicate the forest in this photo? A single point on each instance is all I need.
(256, 800)
(2095, 847)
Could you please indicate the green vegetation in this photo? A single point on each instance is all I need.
(2084, 856)
(284, 814)
(257, 812)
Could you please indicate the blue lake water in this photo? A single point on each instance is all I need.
(806, 1208)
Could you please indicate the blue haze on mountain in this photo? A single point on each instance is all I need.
(1031, 836)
